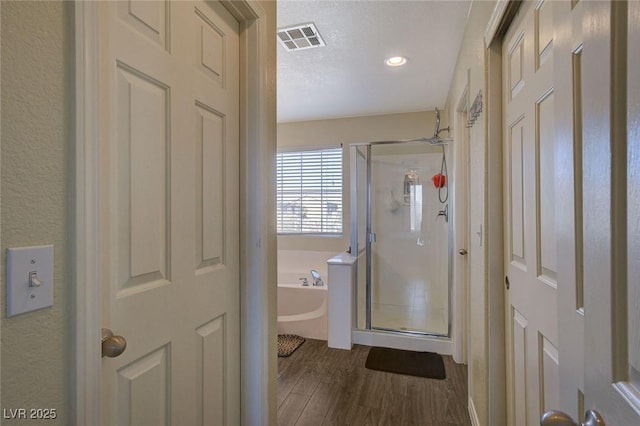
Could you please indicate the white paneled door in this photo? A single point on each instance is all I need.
(530, 237)
(169, 212)
(568, 61)
(611, 196)
(572, 172)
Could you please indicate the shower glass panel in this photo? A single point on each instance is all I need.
(359, 167)
(408, 247)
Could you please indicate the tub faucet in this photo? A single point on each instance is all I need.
(317, 281)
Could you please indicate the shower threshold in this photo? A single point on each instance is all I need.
(408, 340)
(409, 332)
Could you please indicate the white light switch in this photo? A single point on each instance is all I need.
(29, 279)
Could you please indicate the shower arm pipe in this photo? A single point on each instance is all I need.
(416, 140)
(387, 142)
(436, 134)
(390, 142)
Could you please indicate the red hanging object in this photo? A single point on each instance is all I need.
(439, 180)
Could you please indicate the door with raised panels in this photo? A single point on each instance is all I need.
(530, 232)
(611, 196)
(572, 199)
(169, 212)
(598, 197)
(568, 61)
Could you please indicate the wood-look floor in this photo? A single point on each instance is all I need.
(322, 386)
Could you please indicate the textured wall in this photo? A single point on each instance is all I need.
(36, 174)
(470, 69)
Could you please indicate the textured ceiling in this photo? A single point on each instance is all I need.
(348, 76)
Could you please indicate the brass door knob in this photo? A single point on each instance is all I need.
(558, 418)
(112, 346)
(462, 252)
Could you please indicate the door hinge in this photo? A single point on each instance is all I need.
(507, 283)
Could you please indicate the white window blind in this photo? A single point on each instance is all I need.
(309, 186)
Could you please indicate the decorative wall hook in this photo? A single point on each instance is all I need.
(475, 110)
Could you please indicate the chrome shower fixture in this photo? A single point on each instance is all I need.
(436, 139)
(436, 132)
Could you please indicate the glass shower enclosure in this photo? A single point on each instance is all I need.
(400, 235)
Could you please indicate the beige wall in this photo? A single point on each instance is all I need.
(332, 133)
(37, 202)
(471, 72)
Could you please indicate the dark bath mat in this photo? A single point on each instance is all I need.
(421, 364)
(288, 343)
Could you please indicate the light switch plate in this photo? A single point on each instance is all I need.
(23, 295)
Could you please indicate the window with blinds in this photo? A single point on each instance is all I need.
(309, 186)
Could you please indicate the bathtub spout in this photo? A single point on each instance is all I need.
(317, 281)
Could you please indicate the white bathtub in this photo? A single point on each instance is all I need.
(302, 310)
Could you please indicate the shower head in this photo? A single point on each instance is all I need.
(437, 130)
(436, 139)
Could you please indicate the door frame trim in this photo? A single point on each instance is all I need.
(86, 277)
(460, 238)
(500, 380)
(257, 140)
(497, 320)
(1, 271)
(497, 323)
(495, 22)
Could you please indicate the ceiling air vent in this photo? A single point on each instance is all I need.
(298, 37)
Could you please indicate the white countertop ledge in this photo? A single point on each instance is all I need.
(342, 258)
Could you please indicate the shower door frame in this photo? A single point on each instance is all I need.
(370, 237)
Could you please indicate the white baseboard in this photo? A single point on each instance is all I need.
(473, 414)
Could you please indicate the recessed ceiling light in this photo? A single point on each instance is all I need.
(395, 61)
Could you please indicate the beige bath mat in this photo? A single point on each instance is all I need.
(288, 343)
